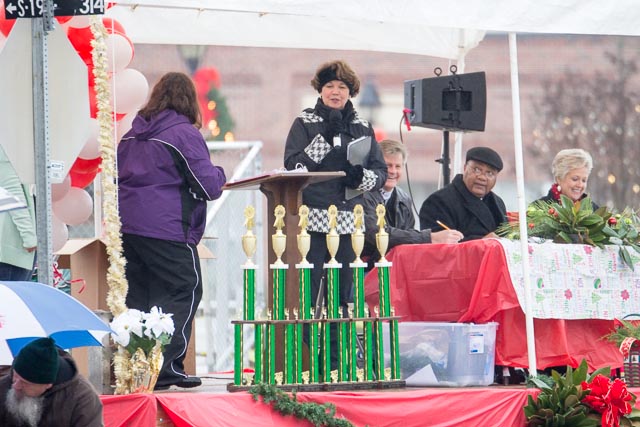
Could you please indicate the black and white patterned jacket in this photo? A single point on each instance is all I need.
(307, 145)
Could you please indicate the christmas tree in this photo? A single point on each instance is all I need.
(216, 118)
(220, 124)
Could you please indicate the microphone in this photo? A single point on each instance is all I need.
(335, 119)
(335, 115)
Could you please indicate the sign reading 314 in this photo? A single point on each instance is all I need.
(14, 9)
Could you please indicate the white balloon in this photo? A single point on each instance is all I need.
(130, 89)
(58, 191)
(91, 148)
(119, 52)
(78, 21)
(75, 207)
(124, 124)
(59, 233)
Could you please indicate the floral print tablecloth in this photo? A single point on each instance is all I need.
(575, 281)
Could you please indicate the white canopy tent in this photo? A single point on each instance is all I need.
(427, 27)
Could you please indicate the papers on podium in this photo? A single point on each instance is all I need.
(357, 152)
(9, 202)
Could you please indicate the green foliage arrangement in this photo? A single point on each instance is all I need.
(569, 222)
(624, 329)
(315, 413)
(578, 399)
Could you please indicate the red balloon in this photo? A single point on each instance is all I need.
(81, 38)
(81, 180)
(62, 19)
(5, 24)
(113, 26)
(85, 166)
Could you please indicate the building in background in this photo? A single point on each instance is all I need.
(265, 88)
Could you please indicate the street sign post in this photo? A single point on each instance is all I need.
(14, 9)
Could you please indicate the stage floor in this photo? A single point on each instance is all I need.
(210, 405)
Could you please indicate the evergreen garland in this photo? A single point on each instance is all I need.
(315, 413)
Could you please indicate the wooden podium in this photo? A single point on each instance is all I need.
(284, 188)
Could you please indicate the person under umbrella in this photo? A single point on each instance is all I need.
(45, 389)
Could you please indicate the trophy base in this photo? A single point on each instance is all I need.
(342, 386)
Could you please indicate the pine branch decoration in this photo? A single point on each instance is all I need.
(317, 414)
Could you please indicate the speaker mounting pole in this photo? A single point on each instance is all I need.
(445, 160)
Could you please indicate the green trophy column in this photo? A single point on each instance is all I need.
(237, 367)
(270, 352)
(358, 266)
(333, 268)
(314, 352)
(395, 348)
(248, 306)
(304, 309)
(279, 268)
(379, 347)
(368, 348)
(289, 342)
(258, 354)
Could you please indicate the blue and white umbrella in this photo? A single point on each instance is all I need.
(31, 310)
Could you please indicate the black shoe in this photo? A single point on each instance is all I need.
(161, 387)
(189, 382)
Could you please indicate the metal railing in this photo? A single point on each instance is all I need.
(222, 275)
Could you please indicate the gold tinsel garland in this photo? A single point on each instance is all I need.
(116, 279)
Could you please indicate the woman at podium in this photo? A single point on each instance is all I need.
(318, 140)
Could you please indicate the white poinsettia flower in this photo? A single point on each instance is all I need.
(131, 321)
(120, 334)
(158, 323)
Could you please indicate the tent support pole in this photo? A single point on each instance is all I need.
(522, 216)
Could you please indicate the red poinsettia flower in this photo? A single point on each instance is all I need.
(609, 399)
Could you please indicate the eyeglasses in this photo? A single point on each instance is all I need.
(488, 173)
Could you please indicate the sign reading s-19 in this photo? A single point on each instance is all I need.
(14, 9)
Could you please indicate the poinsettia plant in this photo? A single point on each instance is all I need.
(135, 329)
(569, 222)
(578, 399)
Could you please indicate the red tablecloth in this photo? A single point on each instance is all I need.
(470, 283)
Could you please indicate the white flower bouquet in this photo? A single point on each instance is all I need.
(135, 329)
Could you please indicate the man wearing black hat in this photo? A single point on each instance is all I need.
(45, 389)
(468, 204)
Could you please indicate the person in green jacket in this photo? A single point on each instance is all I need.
(17, 227)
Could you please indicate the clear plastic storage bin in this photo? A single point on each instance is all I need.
(446, 354)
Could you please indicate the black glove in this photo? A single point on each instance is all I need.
(354, 175)
(336, 159)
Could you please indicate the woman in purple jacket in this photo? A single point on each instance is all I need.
(165, 180)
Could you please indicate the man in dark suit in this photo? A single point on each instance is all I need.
(468, 204)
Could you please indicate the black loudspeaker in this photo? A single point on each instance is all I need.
(457, 102)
